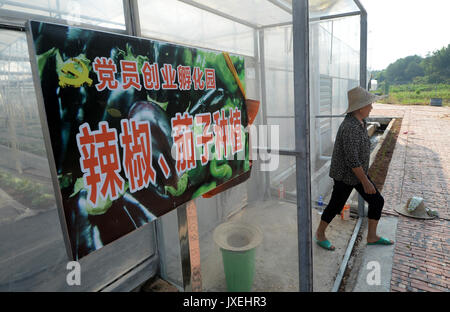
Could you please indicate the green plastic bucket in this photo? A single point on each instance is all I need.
(238, 242)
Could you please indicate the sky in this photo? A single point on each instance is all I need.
(399, 28)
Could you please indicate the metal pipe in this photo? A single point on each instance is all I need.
(335, 16)
(360, 6)
(302, 142)
(348, 252)
(363, 50)
(362, 75)
(322, 18)
(329, 116)
(184, 247)
(262, 63)
(321, 157)
(131, 12)
(282, 152)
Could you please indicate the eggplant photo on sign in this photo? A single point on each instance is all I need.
(135, 127)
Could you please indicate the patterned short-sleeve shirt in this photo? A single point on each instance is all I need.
(351, 150)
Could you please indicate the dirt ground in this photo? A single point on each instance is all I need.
(276, 261)
(379, 169)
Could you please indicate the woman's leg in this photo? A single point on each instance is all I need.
(372, 231)
(339, 196)
(376, 203)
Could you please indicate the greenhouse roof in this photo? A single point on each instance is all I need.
(268, 13)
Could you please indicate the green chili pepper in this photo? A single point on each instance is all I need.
(187, 57)
(102, 206)
(246, 165)
(181, 186)
(198, 174)
(217, 61)
(65, 180)
(128, 55)
(79, 185)
(229, 104)
(221, 172)
(205, 188)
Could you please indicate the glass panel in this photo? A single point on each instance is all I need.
(174, 21)
(256, 201)
(105, 13)
(32, 252)
(258, 12)
(322, 8)
(279, 73)
(334, 69)
(274, 261)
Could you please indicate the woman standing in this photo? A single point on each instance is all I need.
(349, 167)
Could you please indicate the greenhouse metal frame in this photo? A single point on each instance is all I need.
(12, 19)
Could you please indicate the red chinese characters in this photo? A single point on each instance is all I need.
(184, 142)
(89, 161)
(221, 133)
(169, 76)
(105, 70)
(180, 78)
(130, 76)
(206, 138)
(150, 74)
(199, 84)
(100, 161)
(235, 131)
(137, 155)
(210, 78)
(184, 77)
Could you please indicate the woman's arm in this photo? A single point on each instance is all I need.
(367, 185)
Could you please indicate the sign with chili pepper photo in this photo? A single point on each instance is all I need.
(135, 127)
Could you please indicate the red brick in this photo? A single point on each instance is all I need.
(397, 289)
(420, 261)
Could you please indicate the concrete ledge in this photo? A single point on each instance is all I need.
(376, 265)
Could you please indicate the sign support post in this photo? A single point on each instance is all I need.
(189, 246)
(184, 247)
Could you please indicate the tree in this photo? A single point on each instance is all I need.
(404, 70)
(437, 66)
(413, 70)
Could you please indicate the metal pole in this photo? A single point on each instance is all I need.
(184, 247)
(363, 48)
(253, 189)
(131, 12)
(262, 63)
(362, 75)
(302, 141)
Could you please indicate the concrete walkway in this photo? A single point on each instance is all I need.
(420, 166)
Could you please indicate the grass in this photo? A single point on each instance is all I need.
(29, 193)
(420, 94)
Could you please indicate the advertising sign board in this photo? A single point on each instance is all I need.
(134, 127)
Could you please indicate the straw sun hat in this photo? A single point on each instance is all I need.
(358, 98)
(415, 208)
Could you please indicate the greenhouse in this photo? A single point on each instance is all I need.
(300, 58)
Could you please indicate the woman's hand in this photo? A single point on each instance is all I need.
(362, 177)
(369, 188)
